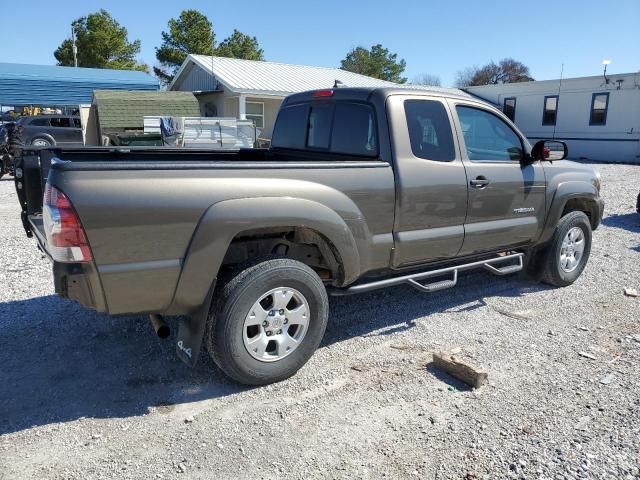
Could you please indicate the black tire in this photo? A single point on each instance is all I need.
(232, 303)
(551, 270)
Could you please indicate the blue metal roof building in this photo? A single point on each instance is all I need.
(44, 85)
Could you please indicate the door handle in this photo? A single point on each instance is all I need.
(479, 182)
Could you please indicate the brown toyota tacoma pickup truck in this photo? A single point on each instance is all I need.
(361, 189)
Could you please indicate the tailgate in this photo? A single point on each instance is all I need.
(32, 168)
(36, 229)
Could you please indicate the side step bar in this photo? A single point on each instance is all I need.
(414, 278)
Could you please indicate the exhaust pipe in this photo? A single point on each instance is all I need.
(161, 328)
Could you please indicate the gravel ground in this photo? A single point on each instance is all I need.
(88, 396)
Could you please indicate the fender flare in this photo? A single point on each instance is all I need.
(224, 220)
(568, 191)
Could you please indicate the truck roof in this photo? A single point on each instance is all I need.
(364, 93)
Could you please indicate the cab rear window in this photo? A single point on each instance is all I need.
(291, 127)
(340, 127)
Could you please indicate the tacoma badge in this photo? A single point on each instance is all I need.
(524, 210)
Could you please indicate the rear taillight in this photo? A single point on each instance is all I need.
(66, 240)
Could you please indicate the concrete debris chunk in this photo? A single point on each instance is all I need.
(607, 379)
(455, 367)
(631, 292)
(516, 315)
(587, 355)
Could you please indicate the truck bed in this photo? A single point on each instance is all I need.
(140, 209)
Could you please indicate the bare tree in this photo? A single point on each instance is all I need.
(427, 79)
(507, 70)
(464, 77)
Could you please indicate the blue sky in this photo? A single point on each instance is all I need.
(439, 38)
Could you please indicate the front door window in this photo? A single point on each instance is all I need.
(487, 137)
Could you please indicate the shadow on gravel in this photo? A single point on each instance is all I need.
(448, 379)
(627, 221)
(60, 362)
(393, 310)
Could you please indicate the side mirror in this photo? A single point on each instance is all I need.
(549, 150)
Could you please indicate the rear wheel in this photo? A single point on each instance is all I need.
(566, 256)
(267, 321)
(40, 142)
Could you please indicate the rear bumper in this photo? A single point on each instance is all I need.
(73, 281)
(79, 282)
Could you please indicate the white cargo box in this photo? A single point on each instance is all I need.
(207, 132)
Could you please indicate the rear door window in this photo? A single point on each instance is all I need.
(40, 122)
(61, 122)
(429, 130)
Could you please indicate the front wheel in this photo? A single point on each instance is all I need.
(566, 256)
(267, 321)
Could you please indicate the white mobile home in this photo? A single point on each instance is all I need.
(598, 117)
(254, 90)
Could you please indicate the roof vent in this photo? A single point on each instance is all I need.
(338, 84)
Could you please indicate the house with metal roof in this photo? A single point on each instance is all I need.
(53, 86)
(254, 90)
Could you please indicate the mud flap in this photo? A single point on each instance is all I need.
(191, 332)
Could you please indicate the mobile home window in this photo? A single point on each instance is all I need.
(550, 112)
(599, 106)
(509, 108)
(255, 112)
